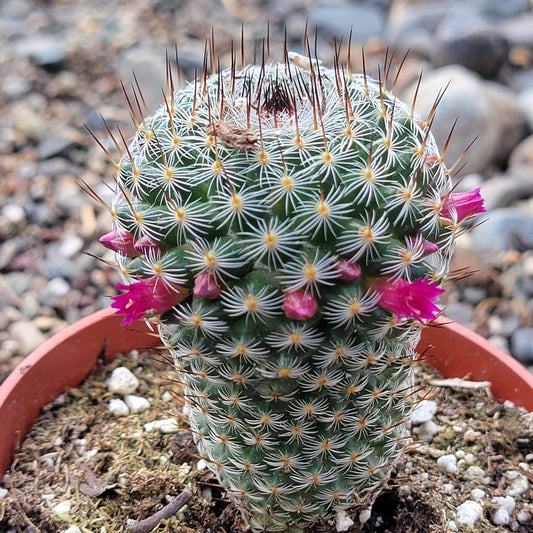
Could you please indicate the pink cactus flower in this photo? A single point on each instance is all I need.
(120, 241)
(143, 299)
(206, 286)
(409, 299)
(462, 205)
(145, 245)
(348, 270)
(299, 305)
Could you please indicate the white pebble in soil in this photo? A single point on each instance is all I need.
(447, 463)
(136, 404)
(118, 407)
(166, 425)
(474, 473)
(122, 381)
(62, 509)
(424, 412)
(427, 430)
(468, 513)
(342, 521)
(3, 493)
(73, 529)
(478, 494)
(519, 483)
(506, 506)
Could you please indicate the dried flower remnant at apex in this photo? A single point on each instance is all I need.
(302, 219)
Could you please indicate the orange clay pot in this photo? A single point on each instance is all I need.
(67, 358)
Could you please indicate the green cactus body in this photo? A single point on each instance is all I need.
(294, 205)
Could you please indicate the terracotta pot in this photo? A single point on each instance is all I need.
(67, 358)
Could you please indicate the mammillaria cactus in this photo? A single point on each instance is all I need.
(288, 227)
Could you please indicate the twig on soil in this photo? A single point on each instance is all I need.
(148, 524)
(458, 383)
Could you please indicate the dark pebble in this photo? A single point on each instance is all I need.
(482, 51)
(522, 345)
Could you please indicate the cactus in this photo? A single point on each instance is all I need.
(288, 228)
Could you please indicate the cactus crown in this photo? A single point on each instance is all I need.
(287, 227)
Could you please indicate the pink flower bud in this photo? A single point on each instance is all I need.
(145, 245)
(420, 244)
(206, 286)
(347, 270)
(460, 205)
(120, 241)
(144, 298)
(299, 305)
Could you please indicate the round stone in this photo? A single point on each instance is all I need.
(122, 381)
(468, 513)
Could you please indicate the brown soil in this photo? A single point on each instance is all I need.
(112, 470)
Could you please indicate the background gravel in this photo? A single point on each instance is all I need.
(61, 63)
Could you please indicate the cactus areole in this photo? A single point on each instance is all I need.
(288, 228)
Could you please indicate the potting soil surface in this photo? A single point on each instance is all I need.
(83, 466)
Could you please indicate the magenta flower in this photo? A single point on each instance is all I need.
(144, 298)
(460, 205)
(120, 241)
(299, 305)
(206, 286)
(144, 245)
(348, 270)
(409, 299)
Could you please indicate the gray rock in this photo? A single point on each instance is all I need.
(525, 99)
(19, 282)
(459, 312)
(70, 246)
(500, 342)
(522, 345)
(522, 155)
(507, 8)
(467, 99)
(27, 336)
(45, 50)
(483, 51)
(336, 19)
(507, 117)
(14, 87)
(518, 30)
(416, 22)
(54, 147)
(148, 64)
(53, 292)
(506, 189)
(474, 295)
(503, 229)
(504, 326)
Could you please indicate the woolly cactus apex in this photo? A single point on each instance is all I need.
(310, 217)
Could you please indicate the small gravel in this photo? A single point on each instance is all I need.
(468, 513)
(122, 381)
